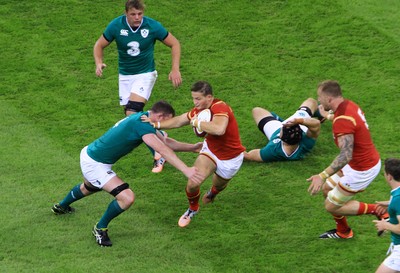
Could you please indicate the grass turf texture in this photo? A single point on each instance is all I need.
(254, 53)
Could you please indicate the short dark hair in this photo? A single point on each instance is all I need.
(331, 88)
(136, 4)
(292, 135)
(202, 87)
(163, 107)
(392, 167)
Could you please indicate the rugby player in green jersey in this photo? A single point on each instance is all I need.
(392, 176)
(135, 36)
(97, 160)
(290, 139)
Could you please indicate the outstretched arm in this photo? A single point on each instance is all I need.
(175, 122)
(178, 146)
(190, 172)
(253, 155)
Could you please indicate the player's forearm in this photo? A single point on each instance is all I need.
(392, 227)
(212, 128)
(180, 146)
(312, 123)
(173, 123)
(98, 54)
(253, 155)
(172, 159)
(175, 56)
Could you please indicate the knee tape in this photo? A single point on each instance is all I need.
(118, 189)
(337, 198)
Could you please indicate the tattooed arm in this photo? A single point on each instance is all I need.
(345, 144)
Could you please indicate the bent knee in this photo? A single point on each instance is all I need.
(329, 207)
(126, 197)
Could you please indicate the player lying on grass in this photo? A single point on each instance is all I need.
(222, 153)
(291, 139)
(98, 158)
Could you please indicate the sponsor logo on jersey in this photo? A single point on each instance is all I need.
(123, 32)
(144, 32)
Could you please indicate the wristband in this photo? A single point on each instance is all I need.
(329, 116)
(324, 175)
(158, 125)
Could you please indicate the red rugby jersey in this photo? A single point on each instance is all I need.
(350, 119)
(228, 145)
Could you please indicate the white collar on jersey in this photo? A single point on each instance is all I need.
(134, 31)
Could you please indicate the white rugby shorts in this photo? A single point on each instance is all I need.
(98, 174)
(358, 180)
(140, 84)
(393, 260)
(225, 168)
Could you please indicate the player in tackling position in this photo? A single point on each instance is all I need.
(222, 152)
(291, 139)
(135, 36)
(356, 166)
(98, 157)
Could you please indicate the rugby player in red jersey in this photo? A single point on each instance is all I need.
(222, 153)
(353, 169)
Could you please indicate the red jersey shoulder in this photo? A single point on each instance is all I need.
(219, 107)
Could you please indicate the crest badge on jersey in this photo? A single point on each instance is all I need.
(144, 32)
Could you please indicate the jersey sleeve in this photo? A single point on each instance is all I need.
(344, 125)
(111, 30)
(160, 31)
(220, 109)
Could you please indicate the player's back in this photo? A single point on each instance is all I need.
(120, 139)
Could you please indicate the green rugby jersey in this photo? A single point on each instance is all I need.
(120, 140)
(394, 211)
(135, 48)
(273, 151)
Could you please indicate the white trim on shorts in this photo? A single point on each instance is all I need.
(98, 174)
(140, 84)
(224, 168)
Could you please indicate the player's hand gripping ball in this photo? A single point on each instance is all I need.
(202, 116)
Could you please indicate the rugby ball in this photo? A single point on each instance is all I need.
(204, 115)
